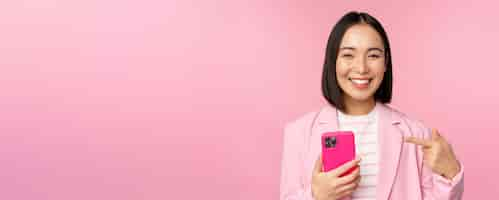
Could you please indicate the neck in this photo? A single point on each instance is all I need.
(355, 107)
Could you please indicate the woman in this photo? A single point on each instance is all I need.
(399, 157)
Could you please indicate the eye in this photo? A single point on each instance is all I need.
(374, 56)
(347, 56)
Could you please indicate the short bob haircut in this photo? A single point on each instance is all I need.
(330, 88)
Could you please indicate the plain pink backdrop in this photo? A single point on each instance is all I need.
(188, 99)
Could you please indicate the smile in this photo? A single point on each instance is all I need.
(362, 83)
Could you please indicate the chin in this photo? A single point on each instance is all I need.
(361, 97)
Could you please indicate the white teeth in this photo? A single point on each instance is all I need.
(357, 81)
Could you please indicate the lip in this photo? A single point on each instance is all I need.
(360, 78)
(362, 85)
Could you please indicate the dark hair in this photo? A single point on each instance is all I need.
(330, 88)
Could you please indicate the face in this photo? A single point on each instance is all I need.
(360, 65)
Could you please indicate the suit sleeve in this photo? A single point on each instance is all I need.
(436, 187)
(292, 186)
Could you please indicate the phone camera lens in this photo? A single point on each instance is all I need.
(330, 142)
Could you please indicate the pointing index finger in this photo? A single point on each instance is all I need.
(418, 141)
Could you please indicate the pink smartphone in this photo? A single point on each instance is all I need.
(337, 148)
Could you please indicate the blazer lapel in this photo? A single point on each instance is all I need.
(389, 148)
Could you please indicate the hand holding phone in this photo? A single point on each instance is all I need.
(329, 185)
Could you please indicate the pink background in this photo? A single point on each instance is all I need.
(187, 100)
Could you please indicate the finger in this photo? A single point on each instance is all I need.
(426, 155)
(349, 178)
(351, 186)
(434, 134)
(346, 193)
(417, 141)
(318, 165)
(426, 151)
(345, 167)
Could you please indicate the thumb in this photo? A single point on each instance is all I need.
(318, 165)
(434, 134)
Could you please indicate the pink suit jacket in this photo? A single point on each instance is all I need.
(402, 174)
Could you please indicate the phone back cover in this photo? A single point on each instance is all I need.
(343, 152)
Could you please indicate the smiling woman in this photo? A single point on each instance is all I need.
(399, 158)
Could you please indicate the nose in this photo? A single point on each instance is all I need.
(360, 65)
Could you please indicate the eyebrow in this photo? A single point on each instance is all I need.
(370, 49)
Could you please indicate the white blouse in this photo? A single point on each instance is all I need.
(365, 129)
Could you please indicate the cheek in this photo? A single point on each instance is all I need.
(381, 71)
(378, 68)
(342, 70)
